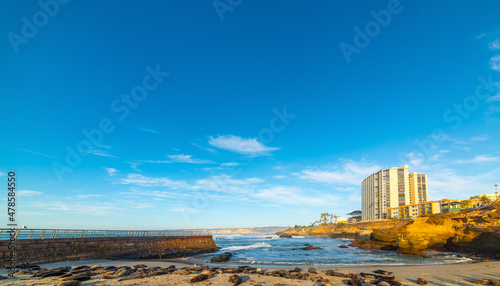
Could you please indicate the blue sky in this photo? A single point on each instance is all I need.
(241, 113)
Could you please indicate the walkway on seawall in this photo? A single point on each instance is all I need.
(56, 245)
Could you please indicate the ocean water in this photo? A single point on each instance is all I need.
(259, 249)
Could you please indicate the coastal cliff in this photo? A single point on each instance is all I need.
(468, 231)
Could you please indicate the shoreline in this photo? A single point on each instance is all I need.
(436, 274)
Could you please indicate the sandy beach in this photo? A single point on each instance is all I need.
(442, 274)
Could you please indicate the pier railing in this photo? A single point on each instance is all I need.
(6, 234)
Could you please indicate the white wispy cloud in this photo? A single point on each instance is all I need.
(37, 153)
(236, 144)
(492, 110)
(295, 196)
(111, 171)
(495, 63)
(89, 196)
(102, 153)
(446, 183)
(150, 131)
(27, 193)
(483, 137)
(184, 209)
(98, 209)
(225, 183)
(494, 98)
(495, 45)
(478, 159)
(142, 206)
(154, 162)
(181, 158)
(151, 193)
(213, 151)
(350, 173)
(225, 188)
(144, 181)
(104, 146)
(231, 164)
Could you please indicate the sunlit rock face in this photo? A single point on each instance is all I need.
(471, 231)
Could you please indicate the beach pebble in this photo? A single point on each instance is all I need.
(356, 280)
(383, 272)
(305, 276)
(95, 267)
(312, 270)
(80, 267)
(334, 273)
(137, 275)
(156, 272)
(208, 273)
(140, 266)
(181, 272)
(71, 283)
(495, 282)
(122, 272)
(108, 276)
(79, 277)
(51, 272)
(292, 276)
(343, 246)
(198, 278)
(235, 279)
(383, 283)
(483, 282)
(316, 278)
(421, 281)
(66, 275)
(24, 272)
(84, 270)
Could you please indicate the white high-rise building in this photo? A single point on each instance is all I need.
(390, 188)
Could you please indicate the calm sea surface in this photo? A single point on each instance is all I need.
(257, 249)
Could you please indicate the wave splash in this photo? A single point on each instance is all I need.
(245, 247)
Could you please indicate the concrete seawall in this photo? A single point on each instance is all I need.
(68, 249)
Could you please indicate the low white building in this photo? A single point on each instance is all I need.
(340, 219)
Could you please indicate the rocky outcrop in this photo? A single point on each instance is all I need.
(310, 247)
(476, 231)
(468, 231)
(222, 258)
